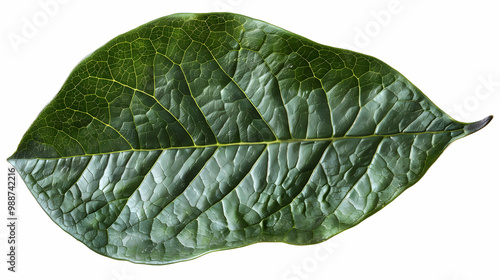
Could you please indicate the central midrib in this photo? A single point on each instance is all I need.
(277, 141)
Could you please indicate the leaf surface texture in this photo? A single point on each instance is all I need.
(202, 132)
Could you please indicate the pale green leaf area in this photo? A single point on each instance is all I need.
(202, 132)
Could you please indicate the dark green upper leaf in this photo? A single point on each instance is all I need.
(201, 132)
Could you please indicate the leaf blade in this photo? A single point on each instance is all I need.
(225, 132)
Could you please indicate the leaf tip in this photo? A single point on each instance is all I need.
(476, 126)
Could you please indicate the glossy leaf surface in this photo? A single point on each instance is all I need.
(202, 132)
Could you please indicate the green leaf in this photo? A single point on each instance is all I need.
(203, 132)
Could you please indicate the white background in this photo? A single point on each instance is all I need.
(445, 227)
